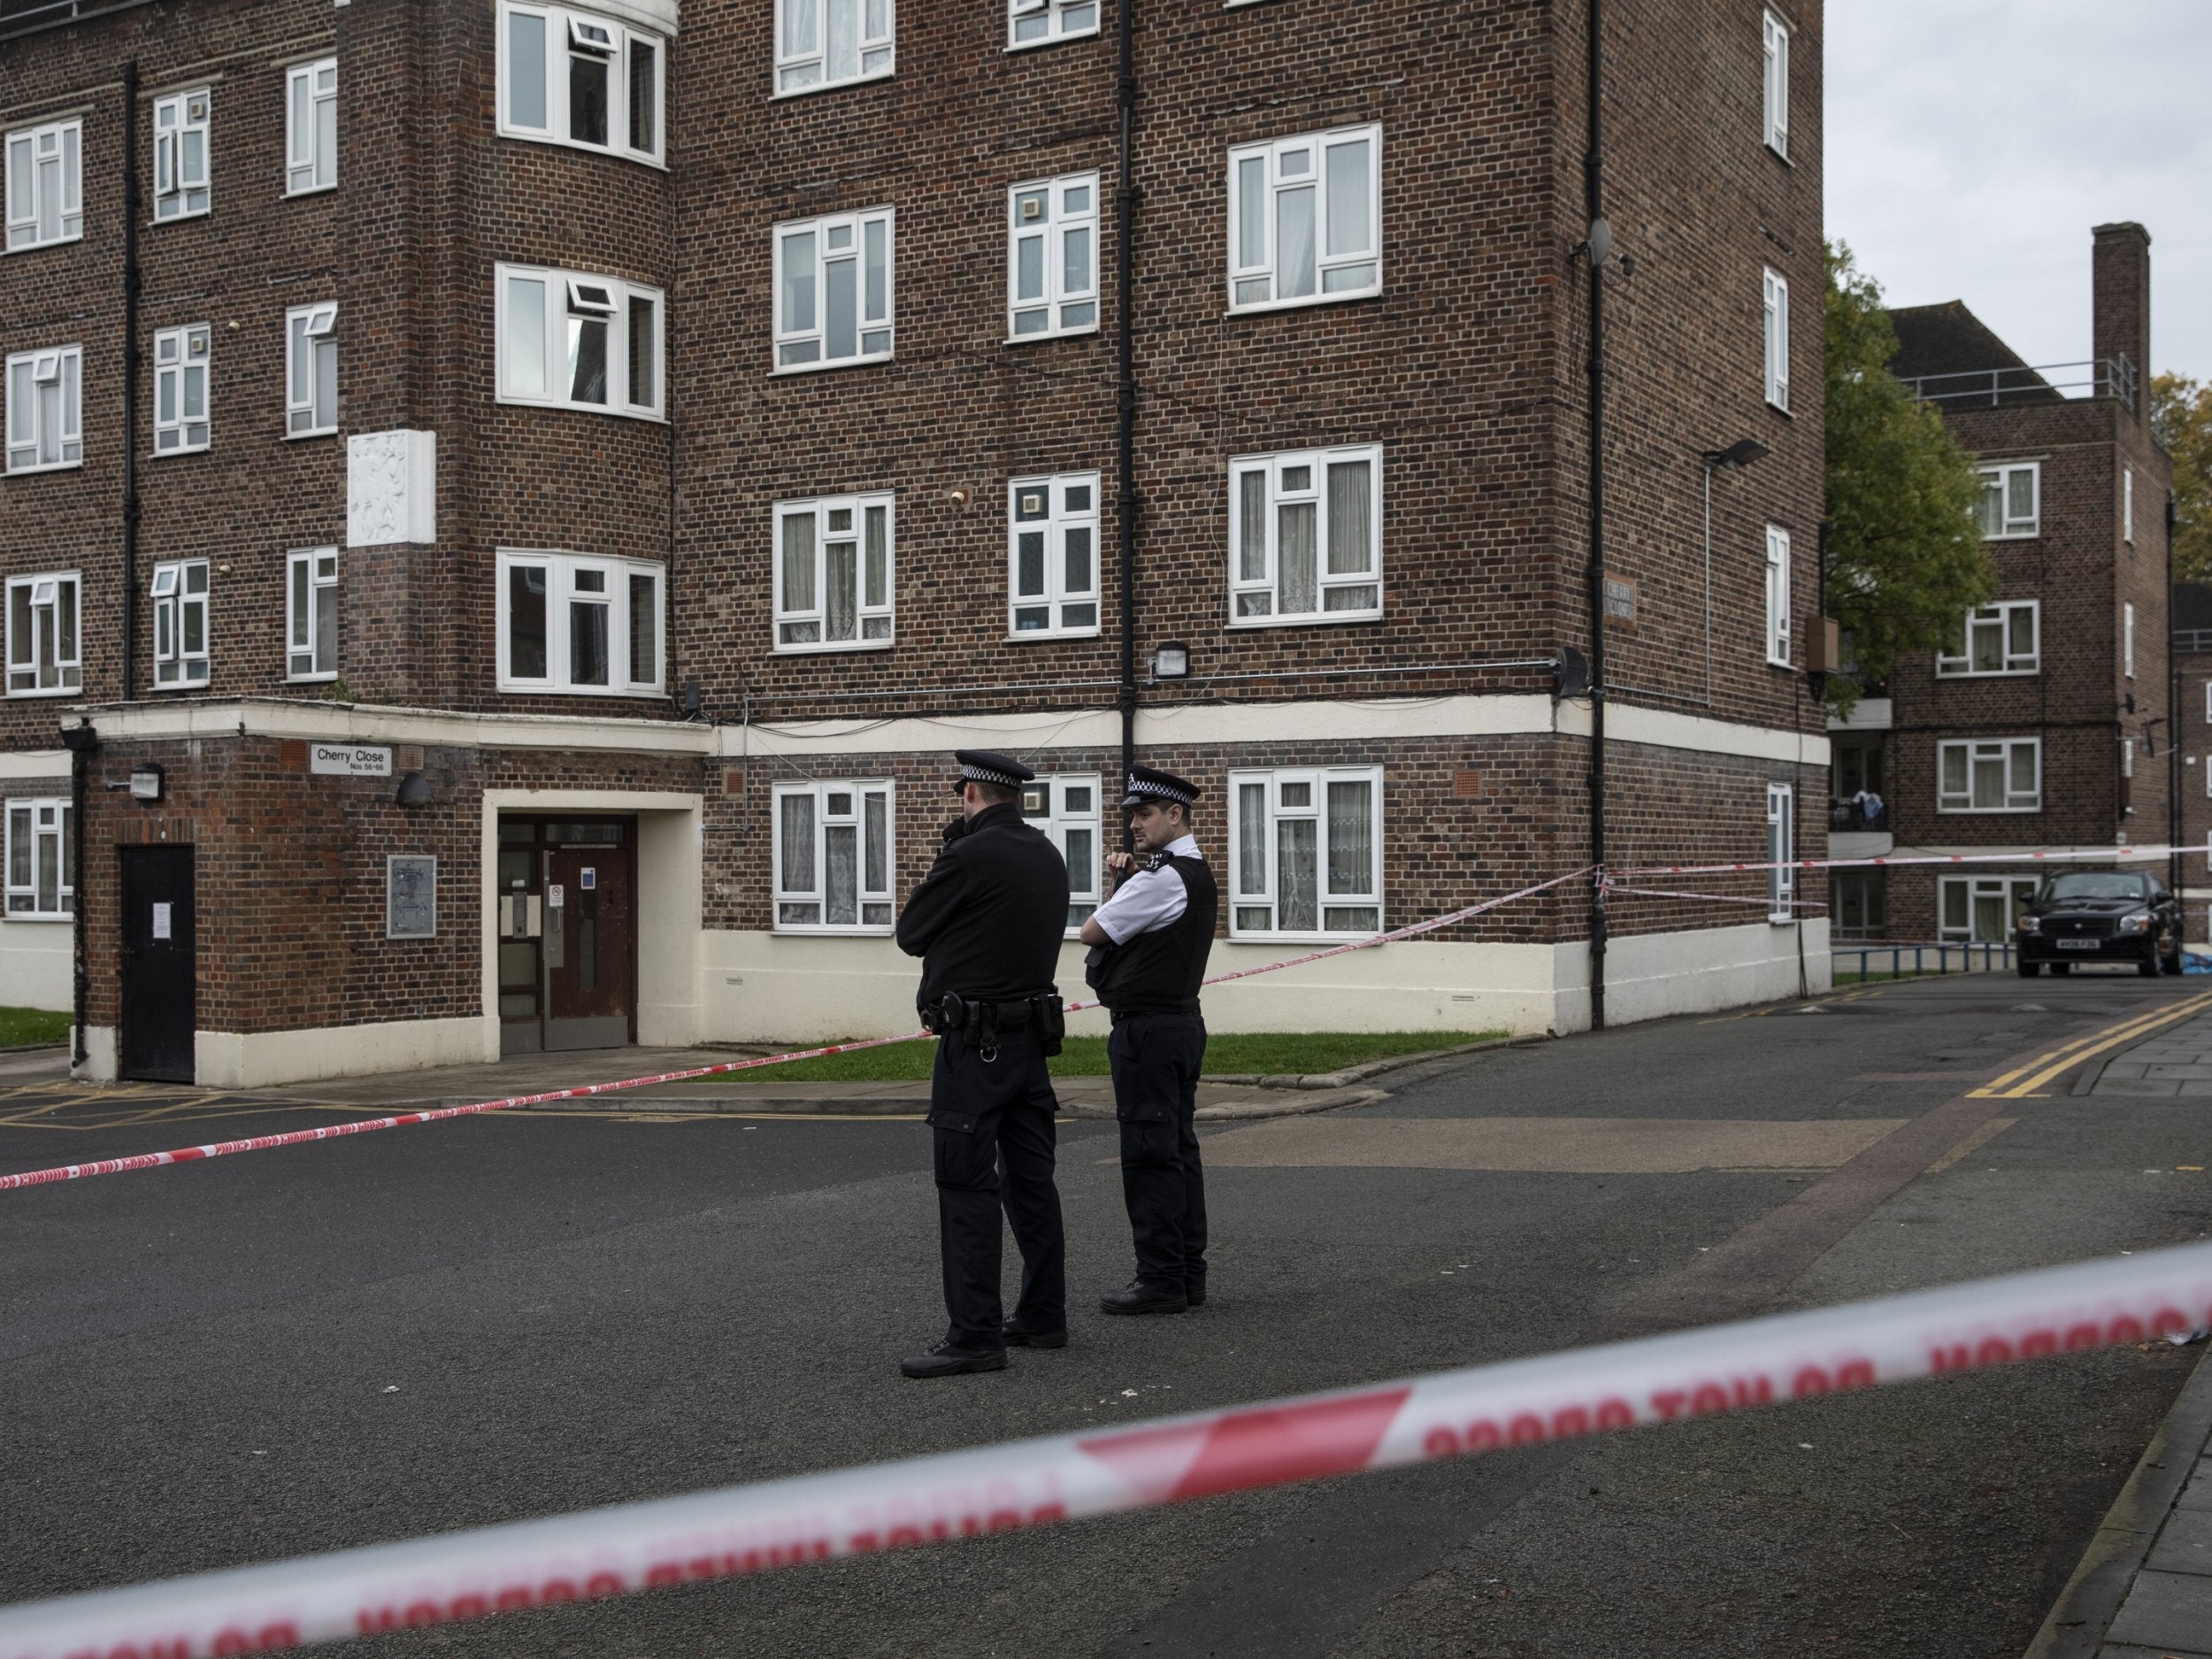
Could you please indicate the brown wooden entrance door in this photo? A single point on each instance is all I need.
(566, 933)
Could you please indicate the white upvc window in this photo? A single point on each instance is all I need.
(1052, 257)
(831, 42)
(574, 77)
(572, 622)
(43, 639)
(180, 595)
(1305, 533)
(835, 858)
(1305, 219)
(45, 172)
(181, 154)
(1066, 807)
(310, 371)
(1778, 595)
(181, 421)
(2003, 638)
(834, 573)
(2012, 501)
(1997, 775)
(1777, 84)
(42, 872)
(46, 409)
(1305, 852)
(2127, 640)
(1041, 22)
(311, 126)
(834, 290)
(2127, 505)
(1781, 852)
(1776, 334)
(1052, 550)
(567, 340)
(312, 613)
(1982, 909)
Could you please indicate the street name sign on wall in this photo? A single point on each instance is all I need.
(349, 760)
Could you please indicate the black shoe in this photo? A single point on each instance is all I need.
(1139, 1297)
(945, 1360)
(1019, 1335)
(1194, 1291)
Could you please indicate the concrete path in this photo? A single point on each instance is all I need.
(2174, 1063)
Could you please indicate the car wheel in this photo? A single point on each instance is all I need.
(2148, 967)
(2028, 970)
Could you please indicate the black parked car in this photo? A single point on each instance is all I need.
(2101, 915)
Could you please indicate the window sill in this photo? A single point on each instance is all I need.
(58, 691)
(188, 449)
(1779, 154)
(523, 135)
(1236, 938)
(648, 416)
(1090, 33)
(313, 189)
(56, 242)
(782, 369)
(319, 431)
(1327, 619)
(2015, 535)
(1055, 334)
(182, 684)
(38, 916)
(1988, 673)
(1303, 303)
(829, 931)
(834, 86)
(1040, 636)
(1782, 662)
(159, 219)
(842, 648)
(1782, 410)
(50, 466)
(1990, 811)
(546, 689)
(312, 679)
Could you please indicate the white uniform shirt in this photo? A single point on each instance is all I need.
(1148, 899)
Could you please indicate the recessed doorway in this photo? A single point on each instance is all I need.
(567, 933)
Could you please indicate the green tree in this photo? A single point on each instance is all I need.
(1905, 556)
(2181, 416)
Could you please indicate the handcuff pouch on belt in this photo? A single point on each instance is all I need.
(952, 1012)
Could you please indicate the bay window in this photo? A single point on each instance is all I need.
(573, 77)
(568, 340)
(571, 622)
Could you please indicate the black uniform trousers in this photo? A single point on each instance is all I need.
(1154, 1059)
(993, 1124)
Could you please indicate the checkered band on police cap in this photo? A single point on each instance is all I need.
(1146, 783)
(979, 765)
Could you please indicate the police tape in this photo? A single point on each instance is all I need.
(2109, 853)
(445, 1114)
(1012, 1486)
(1718, 898)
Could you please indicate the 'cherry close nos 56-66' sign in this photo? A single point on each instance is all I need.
(350, 760)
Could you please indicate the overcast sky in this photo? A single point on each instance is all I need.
(1973, 143)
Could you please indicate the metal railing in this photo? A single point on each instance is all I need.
(2053, 383)
(1847, 817)
(2187, 640)
(1992, 957)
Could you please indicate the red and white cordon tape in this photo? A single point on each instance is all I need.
(1008, 1487)
(1720, 898)
(2198, 850)
(442, 1114)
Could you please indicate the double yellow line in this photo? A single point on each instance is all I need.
(2023, 1080)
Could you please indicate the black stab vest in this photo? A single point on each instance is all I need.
(1159, 972)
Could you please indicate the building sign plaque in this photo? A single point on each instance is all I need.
(349, 760)
(411, 896)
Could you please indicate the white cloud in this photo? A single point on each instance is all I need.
(1973, 143)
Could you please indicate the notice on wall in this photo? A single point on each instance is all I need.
(349, 760)
(590, 881)
(163, 927)
(410, 896)
(556, 896)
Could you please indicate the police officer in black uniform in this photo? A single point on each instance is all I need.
(987, 922)
(1150, 941)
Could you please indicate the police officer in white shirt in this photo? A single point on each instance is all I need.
(1150, 941)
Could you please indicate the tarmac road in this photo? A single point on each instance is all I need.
(512, 1315)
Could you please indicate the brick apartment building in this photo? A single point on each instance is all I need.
(2048, 722)
(523, 497)
(2193, 719)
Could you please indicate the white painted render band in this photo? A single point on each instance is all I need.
(48, 764)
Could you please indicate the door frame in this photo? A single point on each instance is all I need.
(148, 853)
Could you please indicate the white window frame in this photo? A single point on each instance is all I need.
(857, 794)
(33, 823)
(1774, 83)
(1258, 890)
(1781, 852)
(1775, 338)
(564, 591)
(30, 151)
(181, 381)
(803, 49)
(1271, 158)
(181, 189)
(2127, 505)
(310, 152)
(1044, 806)
(793, 336)
(310, 331)
(2010, 526)
(1052, 508)
(1777, 574)
(2127, 639)
(875, 620)
(61, 367)
(1998, 615)
(2015, 890)
(180, 592)
(1977, 751)
(311, 574)
(574, 31)
(1061, 20)
(1246, 591)
(1051, 216)
(34, 652)
(571, 299)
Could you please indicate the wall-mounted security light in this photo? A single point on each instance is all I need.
(1172, 661)
(146, 782)
(1741, 453)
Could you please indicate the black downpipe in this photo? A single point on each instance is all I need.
(130, 395)
(83, 742)
(1125, 394)
(2173, 733)
(1593, 191)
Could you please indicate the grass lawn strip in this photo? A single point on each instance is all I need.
(32, 1027)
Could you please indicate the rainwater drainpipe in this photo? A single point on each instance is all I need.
(1126, 391)
(130, 395)
(1599, 241)
(2173, 733)
(82, 741)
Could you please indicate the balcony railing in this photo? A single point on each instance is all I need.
(2187, 640)
(1846, 817)
(2053, 383)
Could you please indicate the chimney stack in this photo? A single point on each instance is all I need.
(2120, 285)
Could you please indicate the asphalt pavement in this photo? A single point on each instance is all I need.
(524, 1314)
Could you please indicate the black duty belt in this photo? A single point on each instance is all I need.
(985, 1020)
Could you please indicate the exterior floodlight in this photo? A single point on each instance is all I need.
(1172, 661)
(1743, 452)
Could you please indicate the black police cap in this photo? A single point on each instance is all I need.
(1148, 783)
(979, 765)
